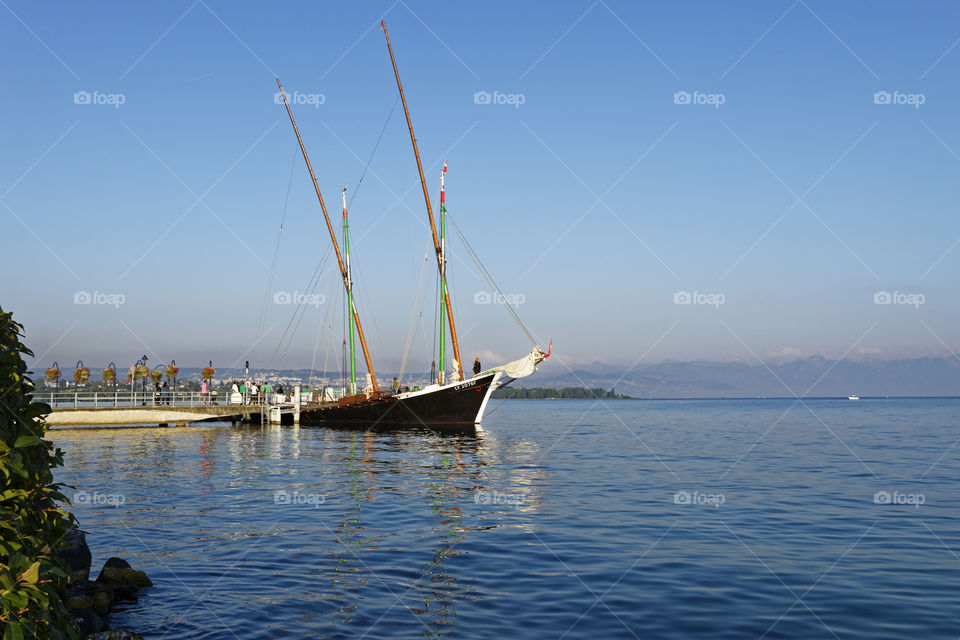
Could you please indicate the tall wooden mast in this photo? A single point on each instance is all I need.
(333, 239)
(426, 198)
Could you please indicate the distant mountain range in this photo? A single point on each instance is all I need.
(813, 376)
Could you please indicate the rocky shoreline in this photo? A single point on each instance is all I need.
(90, 600)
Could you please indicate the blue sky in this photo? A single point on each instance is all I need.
(783, 163)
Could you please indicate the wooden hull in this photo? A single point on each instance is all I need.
(453, 404)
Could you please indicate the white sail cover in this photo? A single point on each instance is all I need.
(524, 366)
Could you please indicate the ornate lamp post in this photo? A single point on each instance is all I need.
(55, 372)
(78, 372)
(113, 367)
(133, 380)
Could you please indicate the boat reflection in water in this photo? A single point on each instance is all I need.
(441, 473)
(400, 526)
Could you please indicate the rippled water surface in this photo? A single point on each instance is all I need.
(619, 519)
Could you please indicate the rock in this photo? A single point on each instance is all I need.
(90, 595)
(88, 622)
(116, 634)
(75, 555)
(118, 575)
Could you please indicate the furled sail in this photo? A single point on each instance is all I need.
(524, 366)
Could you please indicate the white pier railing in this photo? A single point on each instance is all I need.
(98, 399)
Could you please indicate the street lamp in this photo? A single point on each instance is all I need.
(114, 368)
(57, 367)
(76, 383)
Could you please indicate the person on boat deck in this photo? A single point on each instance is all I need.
(396, 384)
(476, 367)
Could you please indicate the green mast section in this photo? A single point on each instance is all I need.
(443, 275)
(350, 310)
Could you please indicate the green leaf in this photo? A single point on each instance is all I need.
(13, 632)
(32, 574)
(26, 441)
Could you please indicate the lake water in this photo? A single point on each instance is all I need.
(559, 519)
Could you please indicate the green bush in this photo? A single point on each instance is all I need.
(32, 526)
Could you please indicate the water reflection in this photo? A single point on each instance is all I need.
(399, 514)
(350, 573)
(437, 586)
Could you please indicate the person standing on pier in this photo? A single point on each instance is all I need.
(203, 392)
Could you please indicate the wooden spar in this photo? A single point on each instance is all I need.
(333, 238)
(426, 198)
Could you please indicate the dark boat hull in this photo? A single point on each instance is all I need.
(461, 403)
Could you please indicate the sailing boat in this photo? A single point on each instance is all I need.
(449, 399)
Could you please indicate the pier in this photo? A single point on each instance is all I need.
(173, 408)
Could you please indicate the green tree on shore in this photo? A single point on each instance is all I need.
(32, 525)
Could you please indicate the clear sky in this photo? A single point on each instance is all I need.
(783, 163)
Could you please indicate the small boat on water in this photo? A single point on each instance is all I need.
(853, 397)
(450, 398)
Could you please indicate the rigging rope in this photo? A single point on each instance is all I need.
(413, 317)
(370, 159)
(276, 253)
(301, 307)
(486, 276)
